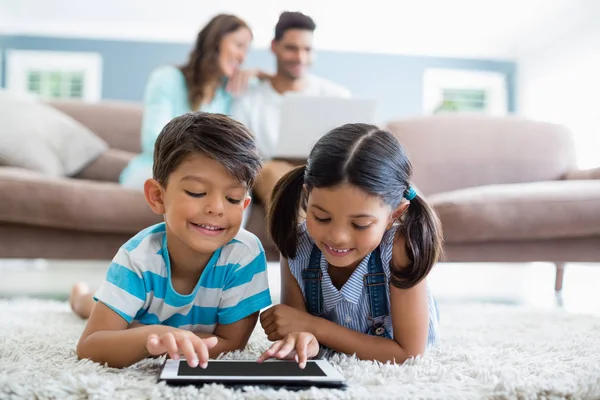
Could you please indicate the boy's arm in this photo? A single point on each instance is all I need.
(233, 336)
(106, 338)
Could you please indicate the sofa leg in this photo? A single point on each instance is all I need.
(560, 274)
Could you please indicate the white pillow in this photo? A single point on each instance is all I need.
(38, 137)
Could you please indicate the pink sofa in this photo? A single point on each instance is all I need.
(506, 190)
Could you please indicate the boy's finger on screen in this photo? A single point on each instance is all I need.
(201, 351)
(168, 340)
(187, 348)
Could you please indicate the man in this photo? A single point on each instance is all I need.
(259, 107)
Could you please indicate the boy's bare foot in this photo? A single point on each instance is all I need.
(81, 300)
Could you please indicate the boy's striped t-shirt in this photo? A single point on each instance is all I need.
(233, 285)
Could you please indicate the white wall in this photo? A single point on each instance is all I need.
(561, 83)
(486, 29)
(5, 16)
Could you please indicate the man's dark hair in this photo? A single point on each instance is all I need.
(293, 20)
(214, 135)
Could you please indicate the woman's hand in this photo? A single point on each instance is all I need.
(298, 345)
(183, 342)
(238, 83)
(281, 320)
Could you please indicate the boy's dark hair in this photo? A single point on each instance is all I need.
(216, 136)
(373, 160)
(293, 20)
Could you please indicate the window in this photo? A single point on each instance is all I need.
(474, 100)
(56, 84)
(447, 90)
(55, 75)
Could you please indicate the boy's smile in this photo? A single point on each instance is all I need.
(203, 205)
(208, 229)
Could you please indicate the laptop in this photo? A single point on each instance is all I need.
(304, 119)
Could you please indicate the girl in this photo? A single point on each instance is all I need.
(365, 228)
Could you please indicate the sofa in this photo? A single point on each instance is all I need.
(506, 190)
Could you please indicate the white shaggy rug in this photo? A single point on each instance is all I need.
(487, 351)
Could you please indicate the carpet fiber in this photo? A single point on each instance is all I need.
(487, 351)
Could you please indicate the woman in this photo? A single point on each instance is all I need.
(207, 82)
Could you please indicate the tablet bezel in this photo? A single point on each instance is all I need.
(332, 376)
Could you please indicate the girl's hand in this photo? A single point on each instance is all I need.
(238, 83)
(281, 320)
(298, 345)
(183, 342)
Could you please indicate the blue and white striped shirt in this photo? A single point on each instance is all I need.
(233, 285)
(350, 306)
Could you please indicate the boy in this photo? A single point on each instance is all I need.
(194, 284)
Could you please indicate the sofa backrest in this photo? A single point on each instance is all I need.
(450, 152)
(118, 123)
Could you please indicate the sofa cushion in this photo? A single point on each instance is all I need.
(525, 211)
(455, 151)
(107, 167)
(38, 137)
(119, 123)
(592, 173)
(35, 199)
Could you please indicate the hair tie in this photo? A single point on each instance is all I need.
(410, 194)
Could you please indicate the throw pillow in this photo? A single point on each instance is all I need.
(36, 136)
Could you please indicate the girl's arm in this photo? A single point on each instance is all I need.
(410, 320)
(291, 294)
(409, 311)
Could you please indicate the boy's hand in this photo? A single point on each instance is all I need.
(183, 342)
(298, 345)
(280, 320)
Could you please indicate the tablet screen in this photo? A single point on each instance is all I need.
(251, 368)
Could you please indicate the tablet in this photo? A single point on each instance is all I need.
(318, 373)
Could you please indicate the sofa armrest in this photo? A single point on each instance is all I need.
(35, 199)
(107, 167)
(583, 174)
